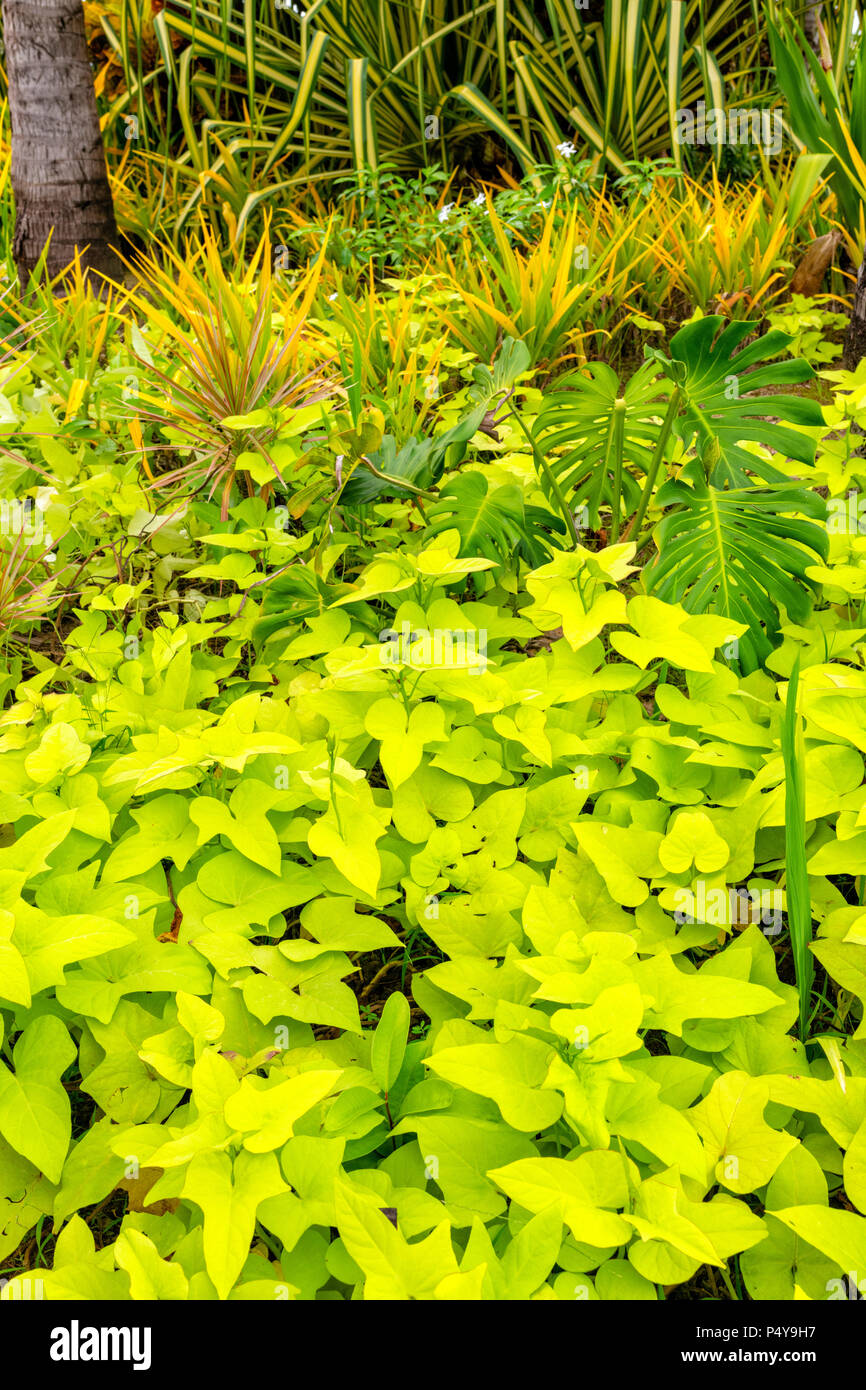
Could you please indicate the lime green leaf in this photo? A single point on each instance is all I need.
(271, 1111)
(35, 1115)
(743, 1148)
(393, 1268)
(150, 1277)
(388, 1047)
(509, 1073)
(840, 1235)
(229, 1196)
(578, 1189)
(60, 751)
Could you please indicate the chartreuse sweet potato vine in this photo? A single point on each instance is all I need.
(609, 1096)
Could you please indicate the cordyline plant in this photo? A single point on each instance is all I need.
(237, 387)
(26, 583)
(27, 589)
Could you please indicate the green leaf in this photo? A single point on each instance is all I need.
(773, 1269)
(578, 1189)
(495, 522)
(740, 553)
(721, 384)
(388, 1047)
(393, 1268)
(270, 1111)
(347, 834)
(745, 1151)
(150, 1277)
(845, 962)
(91, 1171)
(60, 751)
(840, 1235)
(244, 824)
(35, 1115)
(576, 430)
(229, 1195)
(508, 1072)
(678, 1235)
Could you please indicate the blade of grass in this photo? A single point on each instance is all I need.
(796, 874)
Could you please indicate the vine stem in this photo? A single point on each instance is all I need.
(617, 444)
(655, 463)
(542, 464)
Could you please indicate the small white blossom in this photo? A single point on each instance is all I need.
(566, 149)
(443, 212)
(43, 498)
(479, 201)
(333, 296)
(50, 557)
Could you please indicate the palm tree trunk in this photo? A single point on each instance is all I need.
(811, 24)
(58, 163)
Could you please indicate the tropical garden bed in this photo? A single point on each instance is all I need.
(432, 802)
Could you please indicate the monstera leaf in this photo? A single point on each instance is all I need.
(494, 522)
(741, 553)
(722, 407)
(603, 432)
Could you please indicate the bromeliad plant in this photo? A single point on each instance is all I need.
(554, 293)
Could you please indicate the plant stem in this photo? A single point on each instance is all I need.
(617, 443)
(400, 483)
(655, 462)
(541, 463)
(796, 871)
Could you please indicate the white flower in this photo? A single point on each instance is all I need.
(544, 203)
(566, 149)
(50, 557)
(44, 496)
(443, 212)
(333, 296)
(479, 201)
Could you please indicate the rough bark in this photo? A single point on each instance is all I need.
(58, 163)
(812, 23)
(808, 278)
(855, 338)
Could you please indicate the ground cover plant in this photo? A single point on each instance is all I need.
(432, 798)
